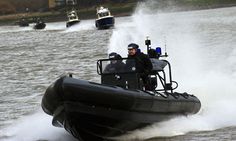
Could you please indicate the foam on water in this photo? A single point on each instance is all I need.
(5, 29)
(53, 26)
(35, 127)
(83, 25)
(56, 26)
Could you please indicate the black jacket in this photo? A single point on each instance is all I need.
(142, 63)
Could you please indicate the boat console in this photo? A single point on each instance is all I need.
(126, 76)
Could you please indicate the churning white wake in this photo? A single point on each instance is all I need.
(35, 127)
(82, 25)
(52, 26)
(199, 44)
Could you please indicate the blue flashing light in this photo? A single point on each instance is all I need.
(139, 50)
(158, 50)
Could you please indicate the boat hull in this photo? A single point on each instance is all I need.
(105, 23)
(23, 24)
(40, 26)
(91, 111)
(71, 23)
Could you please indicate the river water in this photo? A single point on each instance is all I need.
(201, 48)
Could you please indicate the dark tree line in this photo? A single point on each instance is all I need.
(16, 6)
(90, 3)
(6, 8)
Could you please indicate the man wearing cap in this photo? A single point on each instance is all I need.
(116, 64)
(143, 64)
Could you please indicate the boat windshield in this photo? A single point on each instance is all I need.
(111, 66)
(103, 14)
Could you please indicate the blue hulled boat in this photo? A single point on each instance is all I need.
(104, 18)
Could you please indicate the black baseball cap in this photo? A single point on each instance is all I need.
(112, 55)
(133, 46)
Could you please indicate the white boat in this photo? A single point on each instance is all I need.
(104, 18)
(73, 18)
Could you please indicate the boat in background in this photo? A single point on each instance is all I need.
(23, 22)
(120, 104)
(104, 18)
(39, 24)
(73, 18)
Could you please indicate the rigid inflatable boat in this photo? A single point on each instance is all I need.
(39, 24)
(23, 22)
(120, 104)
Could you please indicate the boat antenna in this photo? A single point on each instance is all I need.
(166, 55)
